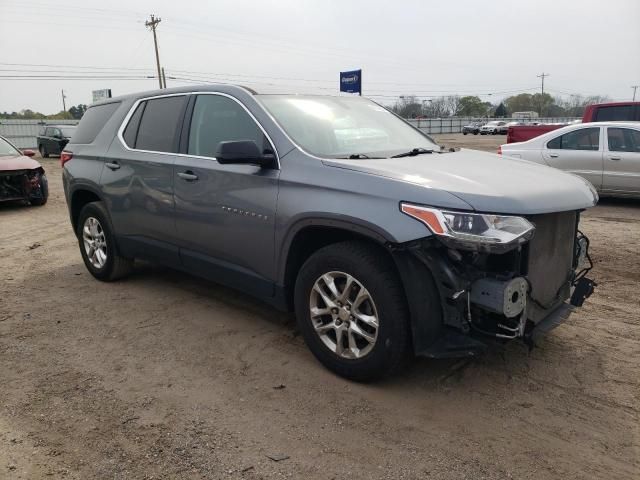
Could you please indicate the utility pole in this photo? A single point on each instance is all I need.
(635, 87)
(152, 24)
(542, 75)
(64, 104)
(164, 78)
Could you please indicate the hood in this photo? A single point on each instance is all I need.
(486, 181)
(18, 162)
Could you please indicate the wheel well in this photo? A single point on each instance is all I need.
(79, 199)
(309, 240)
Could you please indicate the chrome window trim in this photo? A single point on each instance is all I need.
(125, 122)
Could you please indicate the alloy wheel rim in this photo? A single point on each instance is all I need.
(95, 243)
(344, 315)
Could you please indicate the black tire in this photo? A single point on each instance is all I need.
(376, 272)
(43, 152)
(475, 133)
(43, 194)
(464, 133)
(115, 266)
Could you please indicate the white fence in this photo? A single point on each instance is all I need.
(455, 124)
(23, 133)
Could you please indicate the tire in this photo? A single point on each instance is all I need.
(109, 265)
(43, 152)
(374, 275)
(464, 133)
(41, 199)
(475, 133)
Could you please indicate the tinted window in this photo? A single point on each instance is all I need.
(92, 122)
(220, 119)
(48, 132)
(624, 140)
(619, 113)
(582, 139)
(159, 125)
(131, 131)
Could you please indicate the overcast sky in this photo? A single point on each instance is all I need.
(404, 47)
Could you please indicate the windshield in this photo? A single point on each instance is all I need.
(7, 149)
(67, 131)
(338, 127)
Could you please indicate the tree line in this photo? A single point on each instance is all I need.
(74, 113)
(410, 106)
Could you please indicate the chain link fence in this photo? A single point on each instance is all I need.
(455, 124)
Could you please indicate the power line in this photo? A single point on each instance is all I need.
(152, 24)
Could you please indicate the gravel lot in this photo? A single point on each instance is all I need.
(166, 376)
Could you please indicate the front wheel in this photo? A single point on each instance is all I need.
(40, 197)
(43, 152)
(352, 312)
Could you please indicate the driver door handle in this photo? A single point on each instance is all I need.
(614, 158)
(112, 165)
(553, 155)
(189, 176)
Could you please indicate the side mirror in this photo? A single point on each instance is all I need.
(28, 153)
(242, 152)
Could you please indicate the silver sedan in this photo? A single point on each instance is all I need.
(607, 154)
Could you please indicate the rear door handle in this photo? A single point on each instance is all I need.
(112, 165)
(614, 158)
(553, 155)
(189, 176)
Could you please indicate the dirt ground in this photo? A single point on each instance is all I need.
(163, 375)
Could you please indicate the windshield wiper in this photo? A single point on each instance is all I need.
(412, 153)
(356, 156)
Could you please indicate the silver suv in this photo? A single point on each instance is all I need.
(383, 244)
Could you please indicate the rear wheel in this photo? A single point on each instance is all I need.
(97, 244)
(352, 312)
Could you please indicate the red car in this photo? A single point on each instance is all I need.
(21, 177)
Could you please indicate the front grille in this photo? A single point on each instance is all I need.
(550, 261)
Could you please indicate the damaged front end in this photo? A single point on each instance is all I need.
(513, 286)
(22, 185)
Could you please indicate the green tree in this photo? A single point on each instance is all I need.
(472, 106)
(78, 111)
(501, 111)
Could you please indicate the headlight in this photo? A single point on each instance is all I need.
(472, 230)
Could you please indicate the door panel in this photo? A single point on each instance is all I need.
(225, 214)
(579, 152)
(622, 161)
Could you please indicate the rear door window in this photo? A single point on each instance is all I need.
(92, 122)
(216, 119)
(158, 130)
(582, 139)
(623, 140)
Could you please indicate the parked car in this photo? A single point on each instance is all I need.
(384, 244)
(473, 127)
(21, 177)
(492, 128)
(607, 154)
(53, 138)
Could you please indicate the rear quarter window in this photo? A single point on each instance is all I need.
(92, 122)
